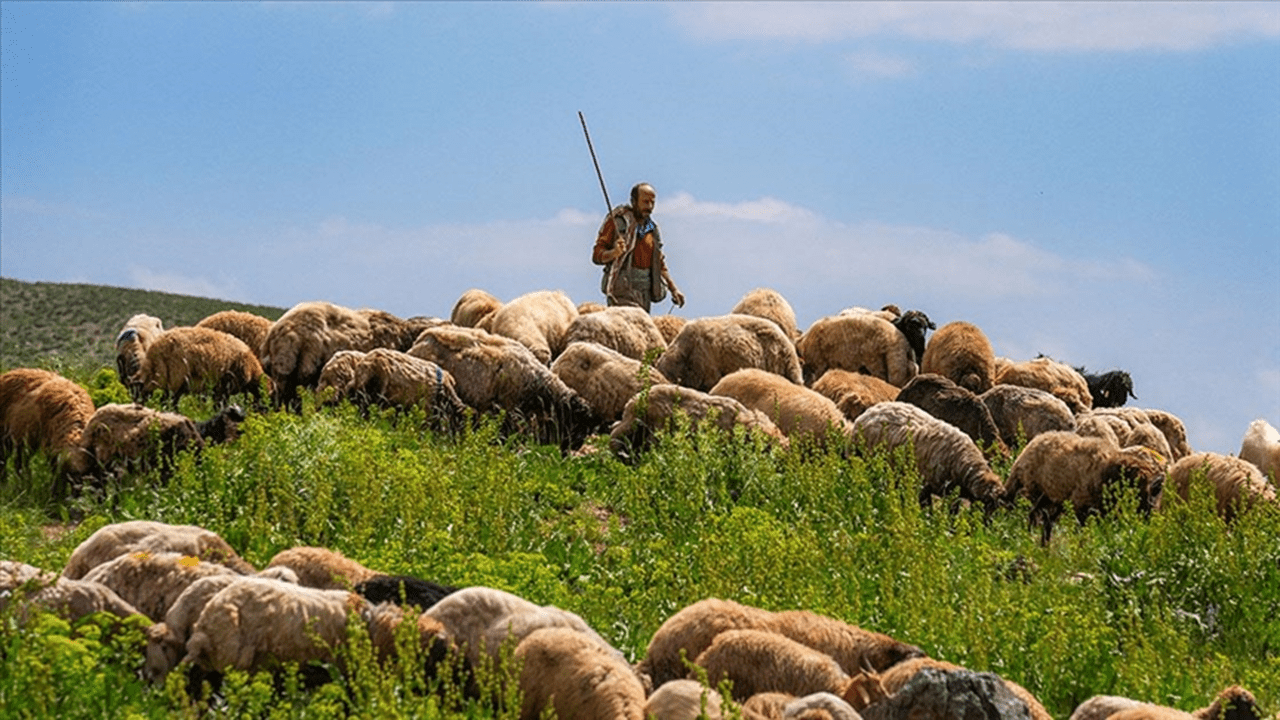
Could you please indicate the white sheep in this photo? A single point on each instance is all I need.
(197, 360)
(659, 409)
(707, 349)
(604, 377)
(250, 328)
(770, 305)
(132, 342)
(390, 378)
(946, 459)
(854, 392)
(684, 699)
(757, 661)
(537, 320)
(1021, 413)
(322, 568)
(797, 411)
(151, 582)
(961, 352)
(1101, 707)
(41, 410)
(1236, 484)
(629, 330)
(1126, 427)
(111, 541)
(858, 342)
(1057, 467)
(64, 597)
(1261, 446)
(308, 334)
(1049, 375)
(473, 306)
(568, 671)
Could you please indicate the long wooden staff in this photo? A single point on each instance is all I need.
(608, 205)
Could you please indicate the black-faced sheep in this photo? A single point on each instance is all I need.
(132, 342)
(564, 669)
(858, 342)
(946, 458)
(707, 349)
(657, 410)
(854, 392)
(197, 360)
(151, 582)
(770, 305)
(390, 378)
(684, 700)
(1022, 413)
(757, 661)
(692, 630)
(537, 320)
(250, 328)
(1261, 446)
(795, 409)
(629, 330)
(1057, 467)
(1049, 375)
(669, 325)
(403, 589)
(1110, 389)
(498, 373)
(944, 399)
(472, 307)
(961, 352)
(604, 377)
(1236, 484)
(322, 568)
(64, 597)
(41, 410)
(308, 334)
(111, 541)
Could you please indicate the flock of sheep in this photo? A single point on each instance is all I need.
(210, 611)
(854, 382)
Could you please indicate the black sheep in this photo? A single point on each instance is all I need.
(1109, 389)
(914, 324)
(403, 589)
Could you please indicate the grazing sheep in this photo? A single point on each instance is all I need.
(498, 373)
(795, 409)
(1022, 413)
(152, 581)
(1237, 484)
(897, 677)
(1101, 707)
(1126, 427)
(591, 306)
(1057, 467)
(1233, 703)
(322, 568)
(944, 399)
(404, 589)
(482, 619)
(68, 599)
(123, 438)
(707, 349)
(111, 541)
(1148, 711)
(684, 700)
(390, 378)
(254, 624)
(770, 305)
(135, 337)
(1261, 446)
(308, 334)
(537, 320)
(604, 377)
(648, 413)
(693, 628)
(564, 669)
(819, 706)
(669, 325)
(250, 328)
(757, 661)
(197, 360)
(629, 330)
(1110, 389)
(472, 307)
(1168, 424)
(945, 457)
(858, 342)
(961, 352)
(1052, 376)
(41, 410)
(854, 392)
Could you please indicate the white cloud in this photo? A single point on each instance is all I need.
(1039, 26)
(876, 66)
(148, 279)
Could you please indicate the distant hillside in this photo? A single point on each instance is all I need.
(44, 324)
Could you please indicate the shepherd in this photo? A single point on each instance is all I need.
(629, 245)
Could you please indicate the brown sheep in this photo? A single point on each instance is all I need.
(472, 307)
(669, 325)
(684, 700)
(135, 337)
(537, 320)
(64, 597)
(858, 342)
(1237, 484)
(629, 330)
(250, 328)
(770, 305)
(322, 568)
(1233, 703)
(134, 437)
(41, 410)
(390, 378)
(197, 360)
(111, 541)
(854, 392)
(1052, 376)
(758, 661)
(945, 400)
(1022, 413)
(795, 409)
(566, 670)
(707, 349)
(604, 377)
(657, 410)
(961, 352)
(151, 582)
(1057, 467)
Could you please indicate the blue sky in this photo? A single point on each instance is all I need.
(1098, 182)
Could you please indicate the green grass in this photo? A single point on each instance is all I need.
(1168, 610)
